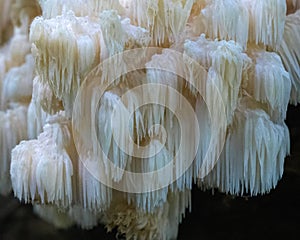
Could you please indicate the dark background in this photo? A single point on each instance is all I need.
(272, 216)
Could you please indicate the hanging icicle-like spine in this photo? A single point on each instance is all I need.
(229, 62)
(42, 168)
(269, 82)
(65, 49)
(13, 129)
(266, 27)
(253, 156)
(290, 53)
(81, 8)
(225, 20)
(164, 19)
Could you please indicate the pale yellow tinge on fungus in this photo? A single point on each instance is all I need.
(81, 8)
(164, 19)
(6, 27)
(292, 6)
(65, 48)
(266, 27)
(137, 224)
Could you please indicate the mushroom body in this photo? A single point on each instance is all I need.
(127, 103)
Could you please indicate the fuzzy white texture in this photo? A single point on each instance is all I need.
(269, 82)
(289, 53)
(42, 168)
(223, 47)
(14, 78)
(13, 129)
(252, 160)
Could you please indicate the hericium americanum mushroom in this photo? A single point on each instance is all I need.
(226, 69)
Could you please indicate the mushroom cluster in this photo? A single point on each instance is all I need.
(111, 110)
